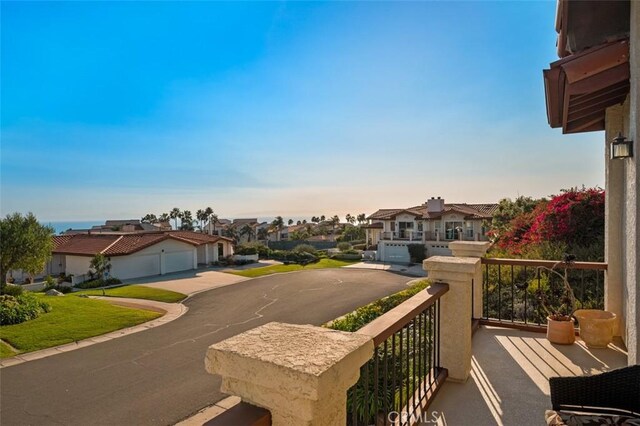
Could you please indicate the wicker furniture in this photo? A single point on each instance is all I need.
(614, 395)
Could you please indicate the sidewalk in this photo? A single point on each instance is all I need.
(172, 311)
(413, 270)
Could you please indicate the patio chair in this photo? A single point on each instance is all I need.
(611, 398)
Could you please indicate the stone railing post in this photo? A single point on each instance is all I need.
(455, 311)
(473, 249)
(300, 373)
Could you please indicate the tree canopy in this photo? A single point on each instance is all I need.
(24, 244)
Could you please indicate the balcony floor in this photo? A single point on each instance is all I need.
(510, 370)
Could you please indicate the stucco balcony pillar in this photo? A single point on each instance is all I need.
(475, 249)
(455, 308)
(300, 373)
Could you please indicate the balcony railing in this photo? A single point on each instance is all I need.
(512, 288)
(404, 374)
(410, 235)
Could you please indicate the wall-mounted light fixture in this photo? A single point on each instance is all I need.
(621, 147)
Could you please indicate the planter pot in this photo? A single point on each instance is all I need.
(596, 327)
(561, 332)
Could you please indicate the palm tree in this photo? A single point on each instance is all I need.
(322, 218)
(164, 217)
(175, 214)
(278, 224)
(248, 231)
(290, 222)
(334, 221)
(263, 233)
(213, 218)
(304, 221)
(208, 212)
(362, 218)
(149, 218)
(201, 215)
(186, 222)
(350, 219)
(299, 222)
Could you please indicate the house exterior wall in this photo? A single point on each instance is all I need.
(77, 265)
(622, 183)
(151, 260)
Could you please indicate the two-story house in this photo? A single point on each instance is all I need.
(434, 224)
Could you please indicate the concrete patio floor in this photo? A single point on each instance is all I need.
(509, 382)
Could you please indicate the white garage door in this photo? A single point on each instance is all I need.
(178, 261)
(126, 267)
(438, 250)
(398, 253)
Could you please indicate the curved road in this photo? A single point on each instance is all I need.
(157, 377)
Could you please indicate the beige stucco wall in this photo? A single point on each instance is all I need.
(77, 265)
(622, 238)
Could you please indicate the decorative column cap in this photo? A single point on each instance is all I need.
(301, 360)
(469, 248)
(461, 265)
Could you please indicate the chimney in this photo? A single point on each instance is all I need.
(435, 205)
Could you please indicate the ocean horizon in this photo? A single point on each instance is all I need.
(61, 226)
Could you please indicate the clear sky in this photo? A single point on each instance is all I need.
(113, 110)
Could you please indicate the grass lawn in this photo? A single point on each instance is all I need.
(5, 351)
(274, 269)
(137, 292)
(71, 319)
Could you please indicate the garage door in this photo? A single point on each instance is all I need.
(178, 261)
(126, 267)
(398, 253)
(438, 250)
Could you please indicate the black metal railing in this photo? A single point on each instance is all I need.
(512, 288)
(404, 374)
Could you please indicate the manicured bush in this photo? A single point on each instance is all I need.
(305, 248)
(347, 256)
(98, 283)
(364, 315)
(12, 290)
(344, 246)
(416, 252)
(359, 246)
(17, 309)
(246, 250)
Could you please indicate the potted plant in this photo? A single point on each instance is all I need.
(560, 320)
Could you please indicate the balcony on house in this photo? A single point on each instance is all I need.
(449, 235)
(470, 349)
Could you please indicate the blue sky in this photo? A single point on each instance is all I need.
(113, 110)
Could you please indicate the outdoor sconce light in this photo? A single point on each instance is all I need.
(621, 147)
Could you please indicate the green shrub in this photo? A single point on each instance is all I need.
(246, 250)
(98, 283)
(359, 246)
(12, 290)
(17, 309)
(347, 256)
(416, 252)
(344, 246)
(305, 248)
(364, 315)
(49, 282)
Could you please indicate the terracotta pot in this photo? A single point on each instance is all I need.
(561, 332)
(596, 327)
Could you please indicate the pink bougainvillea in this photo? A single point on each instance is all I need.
(574, 217)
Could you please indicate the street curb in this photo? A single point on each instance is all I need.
(172, 311)
(208, 413)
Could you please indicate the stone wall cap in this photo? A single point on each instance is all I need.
(452, 264)
(474, 244)
(304, 348)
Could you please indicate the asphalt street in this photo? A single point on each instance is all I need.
(157, 377)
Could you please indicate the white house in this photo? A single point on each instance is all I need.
(433, 224)
(138, 255)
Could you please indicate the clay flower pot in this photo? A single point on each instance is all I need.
(596, 327)
(561, 332)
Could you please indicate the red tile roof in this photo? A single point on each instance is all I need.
(471, 211)
(123, 244)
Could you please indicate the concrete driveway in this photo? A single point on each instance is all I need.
(157, 377)
(190, 282)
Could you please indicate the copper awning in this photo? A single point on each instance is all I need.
(580, 87)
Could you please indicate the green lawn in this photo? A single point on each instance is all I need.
(138, 292)
(274, 269)
(5, 351)
(71, 319)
